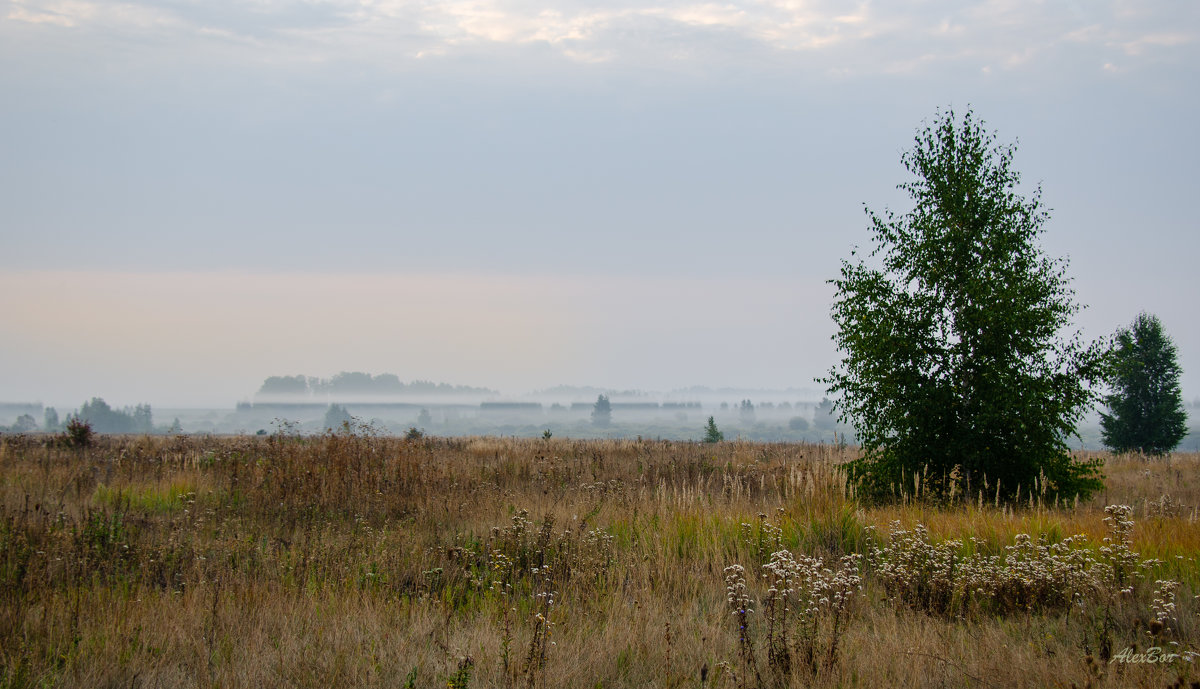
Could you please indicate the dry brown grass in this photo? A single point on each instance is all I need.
(351, 560)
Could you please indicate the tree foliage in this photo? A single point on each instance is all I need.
(954, 367)
(746, 412)
(825, 416)
(350, 384)
(337, 416)
(25, 424)
(712, 434)
(104, 419)
(1145, 407)
(602, 412)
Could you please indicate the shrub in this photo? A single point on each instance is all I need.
(79, 434)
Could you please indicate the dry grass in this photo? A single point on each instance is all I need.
(352, 560)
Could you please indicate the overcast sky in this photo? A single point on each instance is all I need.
(195, 195)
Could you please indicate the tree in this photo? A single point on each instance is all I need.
(602, 412)
(51, 419)
(954, 363)
(25, 424)
(711, 433)
(104, 419)
(78, 434)
(336, 416)
(825, 416)
(1146, 406)
(143, 419)
(746, 412)
(284, 385)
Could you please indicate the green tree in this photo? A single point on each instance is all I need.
(711, 433)
(1145, 407)
(602, 412)
(954, 363)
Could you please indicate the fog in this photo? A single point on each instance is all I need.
(209, 339)
(770, 415)
(511, 199)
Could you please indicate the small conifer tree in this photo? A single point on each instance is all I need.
(711, 433)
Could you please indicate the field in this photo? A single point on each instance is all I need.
(355, 560)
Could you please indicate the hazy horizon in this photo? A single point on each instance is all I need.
(196, 196)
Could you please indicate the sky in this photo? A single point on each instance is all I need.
(195, 195)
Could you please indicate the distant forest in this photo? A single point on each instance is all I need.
(356, 383)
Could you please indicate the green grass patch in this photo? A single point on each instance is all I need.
(148, 499)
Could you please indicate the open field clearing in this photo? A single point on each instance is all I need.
(354, 560)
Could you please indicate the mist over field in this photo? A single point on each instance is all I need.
(194, 197)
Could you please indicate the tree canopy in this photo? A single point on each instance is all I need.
(1145, 407)
(956, 373)
(602, 412)
(105, 419)
(712, 434)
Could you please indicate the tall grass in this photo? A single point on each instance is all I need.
(350, 559)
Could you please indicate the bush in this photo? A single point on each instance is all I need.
(79, 434)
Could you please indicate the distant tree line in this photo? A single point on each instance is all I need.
(105, 419)
(96, 413)
(357, 383)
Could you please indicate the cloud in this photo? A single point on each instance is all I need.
(44, 16)
(1156, 40)
(81, 14)
(869, 37)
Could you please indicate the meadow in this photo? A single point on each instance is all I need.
(355, 559)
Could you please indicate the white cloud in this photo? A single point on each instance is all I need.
(1156, 40)
(94, 15)
(870, 37)
(47, 16)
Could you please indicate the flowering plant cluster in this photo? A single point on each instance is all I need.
(805, 610)
(1030, 576)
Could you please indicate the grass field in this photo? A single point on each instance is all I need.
(355, 560)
